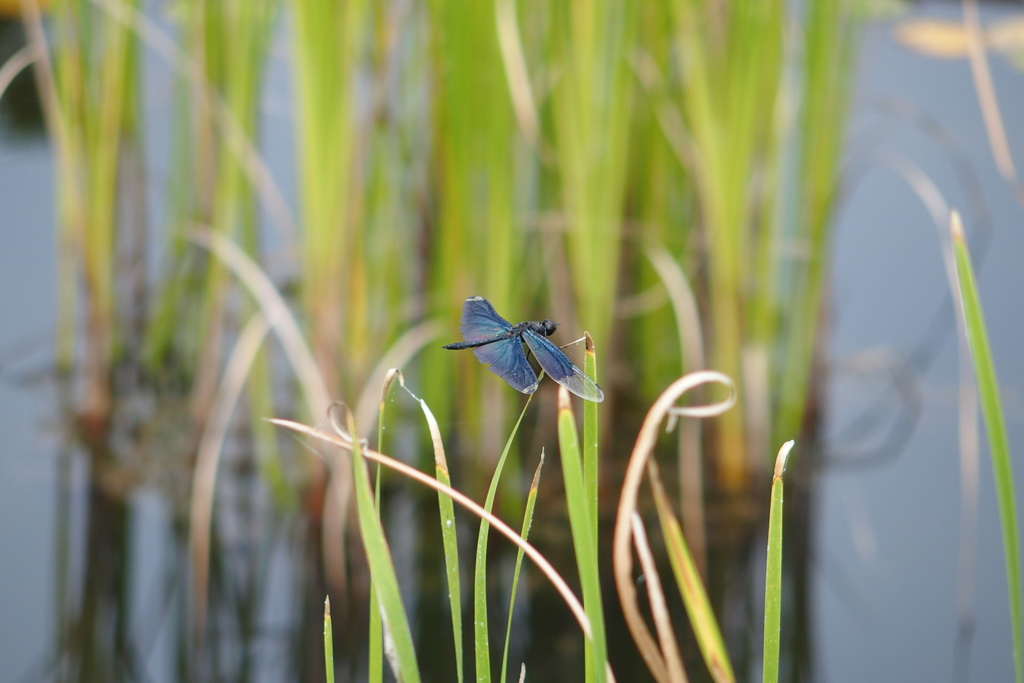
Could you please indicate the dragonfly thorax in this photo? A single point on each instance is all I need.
(544, 327)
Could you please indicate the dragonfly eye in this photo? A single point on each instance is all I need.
(548, 327)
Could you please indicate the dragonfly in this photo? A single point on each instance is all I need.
(502, 346)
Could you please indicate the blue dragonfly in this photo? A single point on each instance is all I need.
(503, 346)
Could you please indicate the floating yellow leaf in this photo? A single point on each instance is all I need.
(948, 39)
(933, 37)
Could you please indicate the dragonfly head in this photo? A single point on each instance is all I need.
(547, 327)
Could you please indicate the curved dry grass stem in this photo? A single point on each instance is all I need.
(204, 474)
(969, 429)
(404, 348)
(314, 388)
(538, 559)
(43, 66)
(622, 556)
(278, 314)
(689, 460)
(17, 63)
(923, 186)
(511, 44)
(988, 101)
(659, 607)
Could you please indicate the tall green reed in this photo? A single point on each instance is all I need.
(829, 37)
(229, 44)
(730, 61)
(773, 572)
(230, 40)
(480, 245)
(589, 43)
(529, 154)
(446, 150)
(329, 44)
(89, 87)
(361, 154)
(581, 504)
(738, 142)
(972, 325)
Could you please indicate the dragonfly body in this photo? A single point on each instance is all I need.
(544, 327)
(502, 346)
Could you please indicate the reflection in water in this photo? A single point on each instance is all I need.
(122, 610)
(122, 602)
(120, 594)
(99, 645)
(125, 614)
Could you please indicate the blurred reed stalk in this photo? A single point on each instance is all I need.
(532, 154)
(730, 59)
(89, 89)
(480, 243)
(229, 44)
(329, 41)
(763, 224)
(591, 106)
(528, 152)
(360, 160)
(828, 50)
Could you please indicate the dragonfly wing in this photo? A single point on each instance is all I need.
(480, 320)
(507, 359)
(561, 369)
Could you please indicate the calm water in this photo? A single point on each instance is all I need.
(886, 528)
(886, 547)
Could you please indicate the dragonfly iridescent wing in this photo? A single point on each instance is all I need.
(507, 359)
(480, 320)
(558, 366)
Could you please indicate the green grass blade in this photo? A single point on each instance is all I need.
(695, 597)
(591, 466)
(584, 536)
(449, 538)
(591, 111)
(531, 501)
(375, 667)
(481, 634)
(382, 569)
(773, 573)
(343, 441)
(991, 409)
(328, 642)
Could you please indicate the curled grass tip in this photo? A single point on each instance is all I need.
(956, 226)
(563, 399)
(783, 458)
